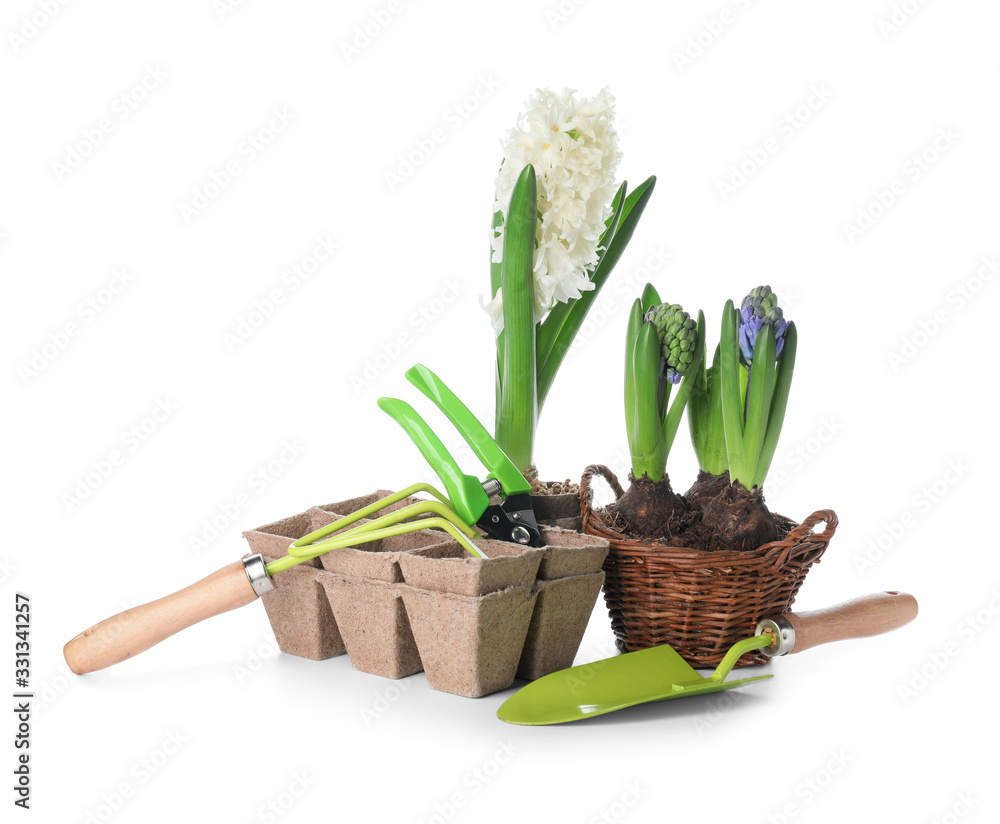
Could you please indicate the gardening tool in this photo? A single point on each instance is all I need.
(237, 584)
(659, 673)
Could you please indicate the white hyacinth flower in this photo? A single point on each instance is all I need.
(573, 146)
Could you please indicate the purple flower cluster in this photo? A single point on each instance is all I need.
(760, 307)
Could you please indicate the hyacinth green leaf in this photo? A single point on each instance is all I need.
(632, 209)
(672, 420)
(758, 406)
(645, 434)
(495, 272)
(517, 411)
(631, 335)
(548, 331)
(650, 298)
(715, 458)
(732, 398)
(699, 408)
(779, 402)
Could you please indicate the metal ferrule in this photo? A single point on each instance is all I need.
(257, 573)
(782, 630)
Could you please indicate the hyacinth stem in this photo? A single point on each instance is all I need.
(760, 386)
(732, 396)
(649, 456)
(779, 402)
(517, 407)
(560, 327)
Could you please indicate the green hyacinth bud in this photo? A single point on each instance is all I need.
(678, 335)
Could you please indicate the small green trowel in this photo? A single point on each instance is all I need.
(659, 673)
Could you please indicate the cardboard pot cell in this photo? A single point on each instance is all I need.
(374, 625)
(377, 560)
(297, 608)
(570, 553)
(300, 614)
(273, 539)
(469, 645)
(561, 511)
(448, 567)
(562, 610)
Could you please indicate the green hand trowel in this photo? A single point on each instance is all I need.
(659, 673)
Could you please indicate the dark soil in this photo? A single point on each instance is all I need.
(739, 519)
(653, 508)
(734, 519)
(706, 487)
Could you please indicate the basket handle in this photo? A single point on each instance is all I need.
(797, 537)
(587, 495)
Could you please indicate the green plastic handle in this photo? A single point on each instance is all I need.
(476, 435)
(465, 492)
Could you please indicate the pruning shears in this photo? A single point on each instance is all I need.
(512, 519)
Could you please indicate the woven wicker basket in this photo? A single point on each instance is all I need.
(698, 602)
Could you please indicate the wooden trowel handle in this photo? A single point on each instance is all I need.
(857, 618)
(136, 630)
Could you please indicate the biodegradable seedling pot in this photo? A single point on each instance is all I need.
(469, 645)
(562, 511)
(562, 610)
(374, 625)
(297, 608)
(570, 553)
(448, 567)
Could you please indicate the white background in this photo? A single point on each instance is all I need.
(882, 409)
